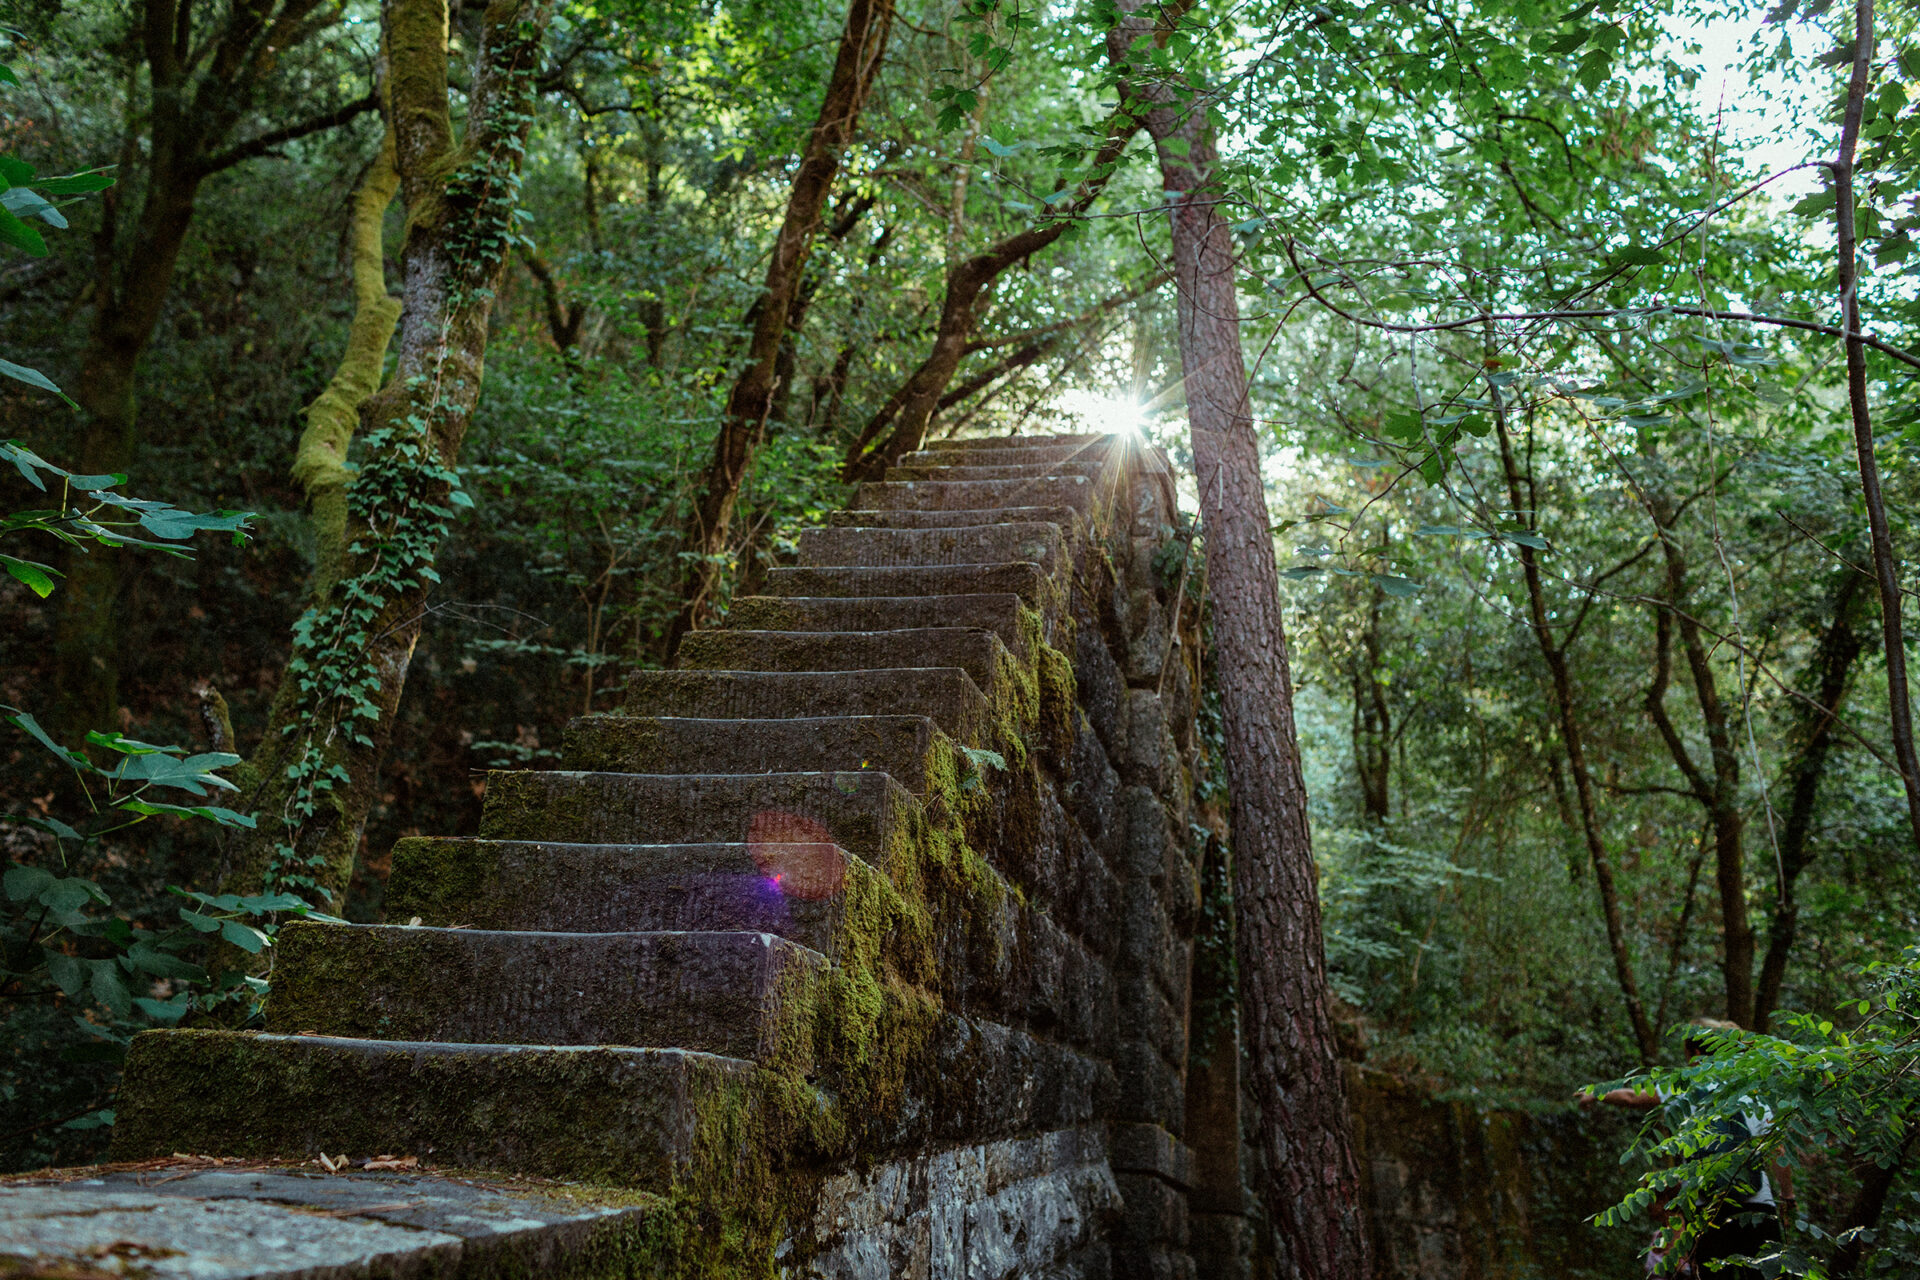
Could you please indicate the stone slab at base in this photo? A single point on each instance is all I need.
(187, 1221)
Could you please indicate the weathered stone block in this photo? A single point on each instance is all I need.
(798, 891)
(1149, 1148)
(1151, 1090)
(906, 748)
(1103, 691)
(740, 995)
(1000, 613)
(1074, 491)
(1028, 581)
(946, 695)
(862, 812)
(1039, 544)
(979, 653)
(623, 1117)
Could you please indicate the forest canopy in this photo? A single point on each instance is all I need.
(1582, 345)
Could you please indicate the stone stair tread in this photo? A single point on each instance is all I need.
(609, 1115)
(946, 695)
(727, 993)
(998, 612)
(1035, 543)
(1000, 471)
(797, 890)
(900, 746)
(974, 650)
(861, 812)
(954, 493)
(1099, 451)
(1067, 518)
(1022, 578)
(1028, 442)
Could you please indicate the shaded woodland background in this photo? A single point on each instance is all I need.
(1682, 488)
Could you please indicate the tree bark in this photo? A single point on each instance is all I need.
(913, 404)
(1313, 1192)
(1717, 791)
(1886, 568)
(317, 771)
(202, 84)
(1833, 663)
(1561, 679)
(863, 41)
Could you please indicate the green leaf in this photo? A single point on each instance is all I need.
(110, 989)
(212, 813)
(20, 235)
(1394, 585)
(38, 577)
(165, 1012)
(33, 378)
(1177, 146)
(205, 924)
(21, 720)
(25, 202)
(7, 76)
(76, 184)
(16, 171)
(93, 1120)
(23, 884)
(147, 958)
(244, 936)
(1636, 255)
(67, 973)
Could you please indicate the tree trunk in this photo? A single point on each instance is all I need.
(1886, 567)
(1561, 679)
(317, 770)
(1719, 791)
(913, 405)
(1313, 1193)
(202, 83)
(1833, 662)
(863, 41)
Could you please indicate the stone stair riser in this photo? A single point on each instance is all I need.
(738, 995)
(946, 695)
(900, 746)
(1001, 613)
(1039, 544)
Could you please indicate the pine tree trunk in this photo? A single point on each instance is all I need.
(1306, 1131)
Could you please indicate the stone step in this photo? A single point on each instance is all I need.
(945, 695)
(956, 494)
(612, 1116)
(739, 995)
(1039, 544)
(798, 891)
(978, 653)
(863, 813)
(1099, 451)
(1066, 517)
(1028, 581)
(904, 748)
(997, 612)
(1028, 471)
(1028, 442)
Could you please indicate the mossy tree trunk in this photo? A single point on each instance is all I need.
(863, 43)
(316, 773)
(203, 78)
(1313, 1183)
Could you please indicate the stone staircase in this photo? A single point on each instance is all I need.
(854, 946)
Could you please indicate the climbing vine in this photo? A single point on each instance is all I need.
(407, 491)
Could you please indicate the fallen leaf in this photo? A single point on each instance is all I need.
(392, 1162)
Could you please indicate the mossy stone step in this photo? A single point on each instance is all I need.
(977, 652)
(865, 813)
(956, 494)
(1067, 518)
(1099, 452)
(1032, 471)
(905, 748)
(946, 695)
(798, 891)
(640, 1118)
(998, 612)
(1028, 442)
(1032, 543)
(1021, 578)
(739, 995)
